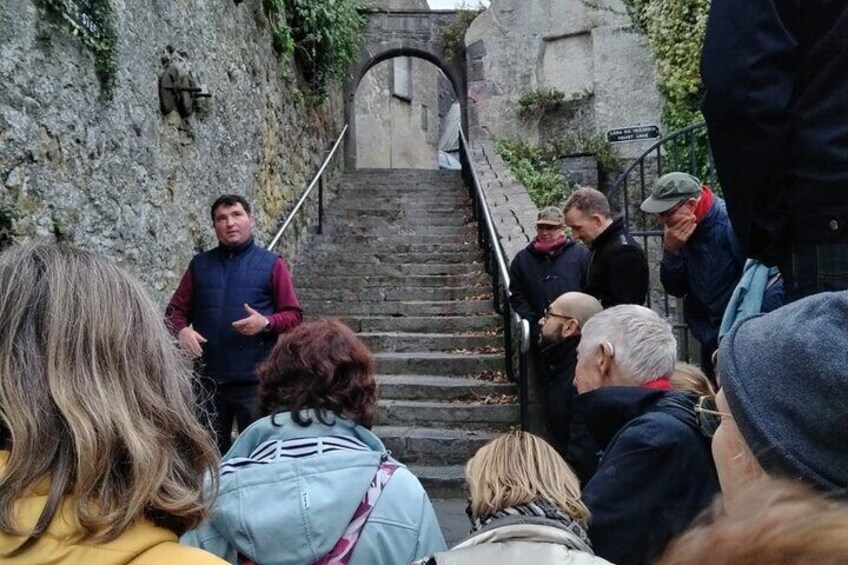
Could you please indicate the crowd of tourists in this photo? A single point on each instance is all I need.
(116, 428)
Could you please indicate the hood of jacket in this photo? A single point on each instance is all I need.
(143, 542)
(292, 507)
(608, 409)
(520, 539)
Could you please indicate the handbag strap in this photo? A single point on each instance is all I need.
(342, 551)
(340, 554)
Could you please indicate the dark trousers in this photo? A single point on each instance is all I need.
(810, 269)
(224, 405)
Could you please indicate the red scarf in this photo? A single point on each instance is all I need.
(661, 383)
(704, 204)
(546, 247)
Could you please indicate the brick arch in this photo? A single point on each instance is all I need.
(401, 34)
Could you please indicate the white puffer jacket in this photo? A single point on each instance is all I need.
(519, 541)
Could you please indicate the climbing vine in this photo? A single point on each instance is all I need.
(323, 36)
(675, 32)
(452, 36)
(91, 21)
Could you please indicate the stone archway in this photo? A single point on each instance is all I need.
(401, 34)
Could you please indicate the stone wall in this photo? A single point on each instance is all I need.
(589, 50)
(393, 131)
(115, 175)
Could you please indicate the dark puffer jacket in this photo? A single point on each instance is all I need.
(705, 272)
(656, 473)
(537, 279)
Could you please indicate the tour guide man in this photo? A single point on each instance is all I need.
(227, 311)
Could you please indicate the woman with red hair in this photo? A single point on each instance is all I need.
(309, 482)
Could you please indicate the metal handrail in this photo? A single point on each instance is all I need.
(487, 234)
(319, 179)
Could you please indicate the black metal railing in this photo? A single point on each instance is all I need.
(319, 180)
(684, 150)
(516, 328)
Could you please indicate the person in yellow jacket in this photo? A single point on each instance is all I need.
(102, 459)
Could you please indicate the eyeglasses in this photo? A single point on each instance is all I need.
(550, 314)
(671, 210)
(709, 418)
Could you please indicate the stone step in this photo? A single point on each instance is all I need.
(322, 257)
(384, 269)
(341, 230)
(444, 324)
(432, 445)
(407, 342)
(441, 481)
(322, 280)
(378, 204)
(436, 387)
(388, 294)
(455, 415)
(437, 363)
(410, 246)
(341, 309)
(387, 241)
(411, 221)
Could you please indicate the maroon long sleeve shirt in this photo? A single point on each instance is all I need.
(287, 311)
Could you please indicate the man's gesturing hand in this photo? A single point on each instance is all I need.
(676, 235)
(252, 324)
(191, 341)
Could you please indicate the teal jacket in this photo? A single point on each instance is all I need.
(294, 510)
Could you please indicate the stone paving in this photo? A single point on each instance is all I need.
(398, 261)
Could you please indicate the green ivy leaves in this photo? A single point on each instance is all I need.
(323, 36)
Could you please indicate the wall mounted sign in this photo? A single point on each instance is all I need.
(632, 133)
(83, 17)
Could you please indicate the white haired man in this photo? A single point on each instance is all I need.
(656, 472)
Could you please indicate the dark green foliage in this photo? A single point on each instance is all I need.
(323, 36)
(9, 213)
(535, 166)
(452, 37)
(536, 103)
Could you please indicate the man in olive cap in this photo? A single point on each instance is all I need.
(701, 260)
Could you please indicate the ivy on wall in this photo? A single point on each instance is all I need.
(323, 36)
(675, 32)
(452, 36)
(91, 21)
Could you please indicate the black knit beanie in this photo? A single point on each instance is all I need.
(785, 377)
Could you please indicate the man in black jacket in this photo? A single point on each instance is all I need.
(618, 269)
(776, 103)
(560, 334)
(549, 266)
(656, 472)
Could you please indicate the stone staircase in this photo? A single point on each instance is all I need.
(398, 262)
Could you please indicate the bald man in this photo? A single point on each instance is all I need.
(559, 331)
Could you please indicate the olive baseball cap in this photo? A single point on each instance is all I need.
(550, 216)
(670, 190)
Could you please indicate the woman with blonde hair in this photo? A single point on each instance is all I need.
(525, 507)
(690, 378)
(103, 459)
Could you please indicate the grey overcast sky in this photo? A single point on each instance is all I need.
(449, 4)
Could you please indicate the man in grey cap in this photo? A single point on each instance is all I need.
(701, 260)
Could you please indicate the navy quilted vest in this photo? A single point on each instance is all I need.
(224, 280)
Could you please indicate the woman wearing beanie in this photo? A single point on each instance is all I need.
(525, 508)
(784, 397)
